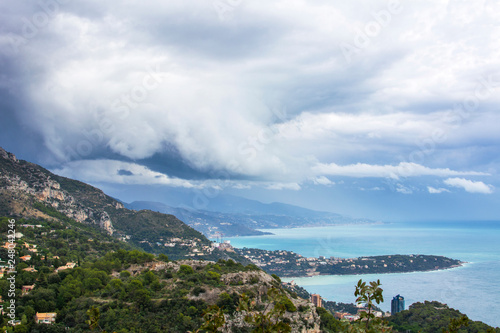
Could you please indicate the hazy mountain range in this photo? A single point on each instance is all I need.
(229, 215)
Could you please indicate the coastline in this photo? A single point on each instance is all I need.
(285, 263)
(266, 232)
(462, 265)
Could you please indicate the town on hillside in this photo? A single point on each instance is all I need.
(290, 264)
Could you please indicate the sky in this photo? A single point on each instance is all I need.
(378, 109)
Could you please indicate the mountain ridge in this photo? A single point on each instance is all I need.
(28, 190)
(246, 220)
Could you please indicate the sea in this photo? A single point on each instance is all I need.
(473, 289)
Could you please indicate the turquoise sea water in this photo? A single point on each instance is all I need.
(474, 289)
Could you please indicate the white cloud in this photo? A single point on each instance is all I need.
(284, 186)
(322, 180)
(403, 189)
(240, 186)
(402, 170)
(436, 190)
(110, 171)
(469, 185)
(376, 188)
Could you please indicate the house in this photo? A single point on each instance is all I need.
(69, 265)
(30, 269)
(45, 318)
(9, 245)
(341, 315)
(26, 289)
(30, 247)
(25, 258)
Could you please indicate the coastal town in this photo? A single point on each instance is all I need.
(290, 264)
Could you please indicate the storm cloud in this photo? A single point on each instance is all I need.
(275, 94)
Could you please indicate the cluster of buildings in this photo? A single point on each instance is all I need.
(196, 249)
(175, 241)
(223, 246)
(268, 258)
(32, 226)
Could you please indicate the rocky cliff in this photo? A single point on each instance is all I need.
(240, 281)
(23, 183)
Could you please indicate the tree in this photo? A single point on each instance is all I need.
(186, 270)
(163, 257)
(328, 322)
(214, 319)
(228, 303)
(368, 293)
(456, 324)
(269, 319)
(94, 315)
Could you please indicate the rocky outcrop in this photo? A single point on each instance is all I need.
(8, 156)
(300, 322)
(27, 178)
(306, 321)
(247, 277)
(255, 282)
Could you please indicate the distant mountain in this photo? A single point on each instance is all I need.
(235, 216)
(224, 203)
(29, 191)
(234, 204)
(211, 224)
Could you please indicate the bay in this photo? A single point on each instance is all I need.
(474, 289)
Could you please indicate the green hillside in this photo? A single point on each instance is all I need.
(430, 317)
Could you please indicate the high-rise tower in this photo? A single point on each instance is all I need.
(397, 304)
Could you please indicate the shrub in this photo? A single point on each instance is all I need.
(186, 270)
(213, 276)
(289, 306)
(276, 277)
(303, 308)
(124, 274)
(198, 290)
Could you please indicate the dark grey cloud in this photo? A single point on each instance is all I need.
(266, 94)
(123, 172)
